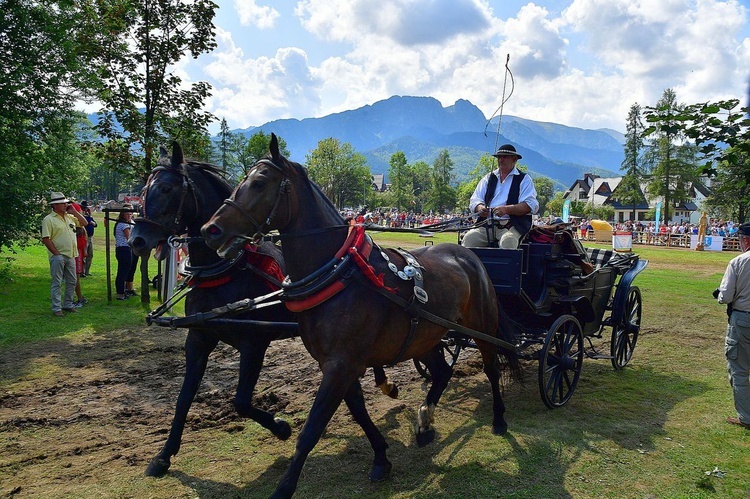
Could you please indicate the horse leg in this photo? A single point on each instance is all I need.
(492, 371)
(384, 383)
(355, 401)
(441, 373)
(197, 351)
(335, 383)
(251, 362)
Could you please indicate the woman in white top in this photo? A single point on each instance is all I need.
(123, 253)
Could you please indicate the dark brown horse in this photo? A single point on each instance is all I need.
(179, 198)
(358, 326)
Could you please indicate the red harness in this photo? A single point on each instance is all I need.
(262, 262)
(358, 247)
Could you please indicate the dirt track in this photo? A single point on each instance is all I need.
(103, 405)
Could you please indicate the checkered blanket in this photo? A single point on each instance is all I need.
(607, 258)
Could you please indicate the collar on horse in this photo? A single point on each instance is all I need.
(210, 276)
(334, 276)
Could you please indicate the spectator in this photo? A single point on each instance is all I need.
(508, 197)
(734, 291)
(89, 238)
(123, 253)
(59, 237)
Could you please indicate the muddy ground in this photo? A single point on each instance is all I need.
(75, 412)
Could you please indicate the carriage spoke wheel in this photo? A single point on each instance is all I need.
(450, 352)
(625, 333)
(560, 361)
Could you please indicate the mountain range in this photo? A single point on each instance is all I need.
(421, 127)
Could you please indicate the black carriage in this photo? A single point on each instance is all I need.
(558, 299)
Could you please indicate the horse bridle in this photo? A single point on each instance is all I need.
(187, 186)
(284, 184)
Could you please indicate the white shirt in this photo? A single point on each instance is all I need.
(735, 285)
(526, 192)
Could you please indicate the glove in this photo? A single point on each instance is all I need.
(716, 293)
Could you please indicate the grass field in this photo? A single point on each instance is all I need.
(655, 429)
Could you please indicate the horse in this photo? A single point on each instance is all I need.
(344, 335)
(178, 198)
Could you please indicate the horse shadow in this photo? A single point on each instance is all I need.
(537, 454)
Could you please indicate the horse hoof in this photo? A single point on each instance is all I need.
(425, 437)
(158, 467)
(282, 430)
(380, 472)
(394, 392)
(500, 429)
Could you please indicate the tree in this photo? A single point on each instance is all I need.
(628, 192)
(485, 165)
(224, 139)
(40, 66)
(421, 184)
(402, 186)
(544, 192)
(244, 152)
(339, 171)
(144, 100)
(442, 196)
(723, 138)
(673, 163)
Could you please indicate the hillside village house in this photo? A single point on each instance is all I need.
(598, 191)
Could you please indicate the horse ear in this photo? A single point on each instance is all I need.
(274, 147)
(163, 156)
(177, 156)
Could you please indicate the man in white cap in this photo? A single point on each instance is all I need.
(59, 236)
(504, 200)
(734, 291)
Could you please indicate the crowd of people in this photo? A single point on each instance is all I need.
(68, 235)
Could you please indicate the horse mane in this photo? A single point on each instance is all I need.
(302, 171)
(213, 173)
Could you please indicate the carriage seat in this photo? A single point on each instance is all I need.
(565, 245)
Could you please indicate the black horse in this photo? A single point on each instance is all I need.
(178, 199)
(334, 270)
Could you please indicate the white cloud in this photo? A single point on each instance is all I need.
(251, 14)
(248, 92)
(406, 22)
(583, 66)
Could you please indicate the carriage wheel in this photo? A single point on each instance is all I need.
(450, 352)
(560, 361)
(625, 333)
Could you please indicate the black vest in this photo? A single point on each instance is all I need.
(522, 223)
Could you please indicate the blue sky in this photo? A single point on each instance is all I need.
(582, 63)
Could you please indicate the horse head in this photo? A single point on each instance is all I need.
(263, 201)
(167, 204)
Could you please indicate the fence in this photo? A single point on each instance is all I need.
(730, 243)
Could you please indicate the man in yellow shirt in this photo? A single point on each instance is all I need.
(59, 236)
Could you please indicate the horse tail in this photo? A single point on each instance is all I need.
(507, 331)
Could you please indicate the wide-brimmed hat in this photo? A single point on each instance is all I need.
(58, 197)
(507, 150)
(744, 229)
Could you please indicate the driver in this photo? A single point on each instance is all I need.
(508, 197)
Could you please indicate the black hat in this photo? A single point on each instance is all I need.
(744, 229)
(507, 150)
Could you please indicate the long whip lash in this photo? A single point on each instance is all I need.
(502, 103)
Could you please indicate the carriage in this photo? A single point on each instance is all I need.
(552, 296)
(558, 300)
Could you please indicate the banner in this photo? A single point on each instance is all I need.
(710, 243)
(566, 211)
(658, 215)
